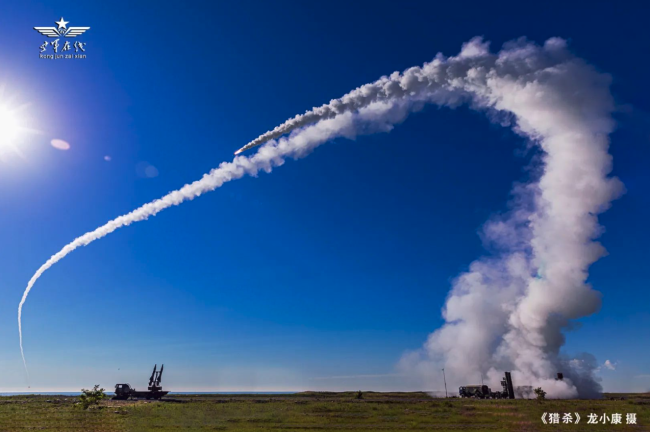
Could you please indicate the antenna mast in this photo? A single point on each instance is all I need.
(444, 378)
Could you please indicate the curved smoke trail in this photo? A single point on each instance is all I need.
(509, 310)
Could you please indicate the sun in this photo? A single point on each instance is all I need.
(10, 128)
(13, 127)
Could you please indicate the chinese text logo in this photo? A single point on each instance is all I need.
(62, 31)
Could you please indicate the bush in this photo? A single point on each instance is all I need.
(541, 394)
(359, 395)
(91, 397)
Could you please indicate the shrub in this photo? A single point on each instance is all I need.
(359, 395)
(541, 394)
(91, 397)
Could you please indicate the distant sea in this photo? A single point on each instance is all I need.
(171, 393)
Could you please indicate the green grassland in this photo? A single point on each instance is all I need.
(314, 411)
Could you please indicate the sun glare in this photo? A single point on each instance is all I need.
(9, 127)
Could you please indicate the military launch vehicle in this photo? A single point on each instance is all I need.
(155, 391)
(484, 392)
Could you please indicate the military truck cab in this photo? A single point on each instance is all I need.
(122, 391)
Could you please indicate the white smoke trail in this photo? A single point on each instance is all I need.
(370, 119)
(508, 311)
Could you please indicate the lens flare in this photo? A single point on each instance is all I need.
(59, 144)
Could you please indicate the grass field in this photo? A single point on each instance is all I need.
(315, 412)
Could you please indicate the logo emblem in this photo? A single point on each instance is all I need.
(62, 30)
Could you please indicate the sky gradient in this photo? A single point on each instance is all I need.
(319, 275)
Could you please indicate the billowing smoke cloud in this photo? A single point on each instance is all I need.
(508, 311)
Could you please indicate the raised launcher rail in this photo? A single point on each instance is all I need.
(155, 391)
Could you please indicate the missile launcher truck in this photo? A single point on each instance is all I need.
(475, 391)
(155, 391)
(484, 392)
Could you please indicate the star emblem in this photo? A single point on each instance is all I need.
(62, 31)
(61, 23)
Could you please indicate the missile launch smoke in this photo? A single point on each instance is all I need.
(510, 309)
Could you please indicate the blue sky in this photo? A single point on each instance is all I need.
(330, 267)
